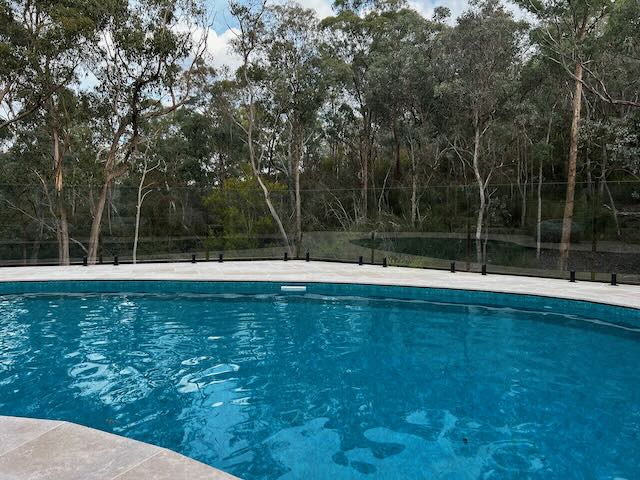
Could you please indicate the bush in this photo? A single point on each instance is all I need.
(551, 231)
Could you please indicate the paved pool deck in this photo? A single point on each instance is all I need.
(315, 271)
(45, 449)
(51, 450)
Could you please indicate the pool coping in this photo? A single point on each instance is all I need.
(299, 271)
(51, 449)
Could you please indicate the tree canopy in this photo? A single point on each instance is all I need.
(115, 124)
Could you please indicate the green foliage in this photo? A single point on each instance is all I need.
(374, 110)
(240, 219)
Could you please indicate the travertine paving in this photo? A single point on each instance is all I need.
(50, 450)
(301, 271)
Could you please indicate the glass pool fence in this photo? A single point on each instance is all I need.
(516, 229)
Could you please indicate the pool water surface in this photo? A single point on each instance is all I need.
(272, 385)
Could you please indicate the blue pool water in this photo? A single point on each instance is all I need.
(315, 386)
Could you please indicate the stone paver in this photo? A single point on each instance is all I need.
(46, 450)
(17, 431)
(170, 466)
(300, 271)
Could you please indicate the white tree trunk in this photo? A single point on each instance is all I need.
(567, 220)
(540, 171)
(61, 212)
(296, 158)
(539, 217)
(141, 196)
(481, 193)
(414, 185)
(257, 173)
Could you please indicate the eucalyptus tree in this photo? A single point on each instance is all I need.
(566, 34)
(610, 51)
(42, 45)
(24, 205)
(419, 49)
(295, 81)
(248, 43)
(66, 111)
(141, 74)
(482, 54)
(27, 179)
(542, 93)
(350, 39)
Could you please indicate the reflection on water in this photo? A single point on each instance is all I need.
(305, 387)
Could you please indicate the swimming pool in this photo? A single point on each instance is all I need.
(337, 381)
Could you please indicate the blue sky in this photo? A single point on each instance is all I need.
(220, 35)
(223, 20)
(220, 9)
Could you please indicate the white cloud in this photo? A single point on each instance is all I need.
(219, 48)
(218, 44)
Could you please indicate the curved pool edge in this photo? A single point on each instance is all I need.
(613, 304)
(50, 449)
(625, 295)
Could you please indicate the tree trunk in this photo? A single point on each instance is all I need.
(540, 171)
(364, 155)
(94, 237)
(23, 242)
(486, 234)
(396, 149)
(35, 249)
(614, 210)
(414, 185)
(565, 242)
(539, 219)
(252, 154)
(523, 210)
(134, 254)
(522, 183)
(605, 187)
(61, 211)
(296, 156)
(481, 192)
(272, 210)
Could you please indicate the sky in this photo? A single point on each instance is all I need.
(222, 23)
